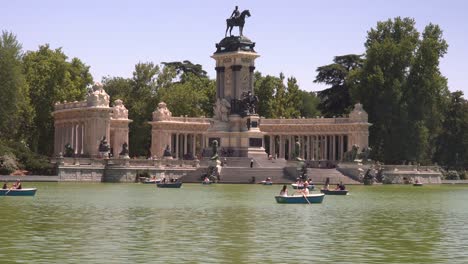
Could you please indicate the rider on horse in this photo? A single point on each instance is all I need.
(235, 13)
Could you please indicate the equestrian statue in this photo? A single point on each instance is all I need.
(236, 20)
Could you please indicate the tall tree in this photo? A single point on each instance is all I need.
(336, 100)
(426, 95)
(52, 78)
(380, 84)
(309, 106)
(265, 88)
(452, 143)
(15, 110)
(280, 102)
(294, 100)
(183, 68)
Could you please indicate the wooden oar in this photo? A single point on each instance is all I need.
(8, 191)
(306, 198)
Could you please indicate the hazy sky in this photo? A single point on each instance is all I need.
(293, 37)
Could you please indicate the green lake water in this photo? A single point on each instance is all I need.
(138, 223)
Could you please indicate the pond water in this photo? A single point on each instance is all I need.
(138, 223)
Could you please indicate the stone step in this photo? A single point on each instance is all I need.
(319, 176)
(245, 175)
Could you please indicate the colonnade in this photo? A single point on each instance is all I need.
(72, 133)
(187, 144)
(312, 147)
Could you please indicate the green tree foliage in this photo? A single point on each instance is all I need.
(294, 100)
(280, 100)
(184, 92)
(336, 100)
(264, 88)
(51, 78)
(185, 68)
(309, 106)
(426, 95)
(139, 95)
(15, 109)
(452, 143)
(401, 87)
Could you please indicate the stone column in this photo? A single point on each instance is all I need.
(251, 79)
(177, 146)
(280, 146)
(185, 144)
(220, 82)
(236, 80)
(194, 145)
(303, 147)
(326, 147)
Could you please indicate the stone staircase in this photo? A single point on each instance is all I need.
(245, 175)
(319, 176)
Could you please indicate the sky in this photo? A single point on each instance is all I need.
(293, 37)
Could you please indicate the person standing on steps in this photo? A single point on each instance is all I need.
(251, 163)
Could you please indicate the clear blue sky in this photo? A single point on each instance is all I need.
(293, 37)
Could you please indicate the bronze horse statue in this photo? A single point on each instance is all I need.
(236, 22)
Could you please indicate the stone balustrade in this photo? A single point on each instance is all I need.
(126, 162)
(185, 119)
(306, 121)
(69, 105)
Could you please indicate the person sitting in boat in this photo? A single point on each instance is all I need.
(284, 191)
(342, 186)
(268, 179)
(303, 191)
(337, 188)
(17, 185)
(163, 180)
(206, 180)
(5, 186)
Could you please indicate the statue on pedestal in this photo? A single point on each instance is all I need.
(104, 147)
(69, 150)
(167, 153)
(297, 151)
(236, 20)
(124, 152)
(214, 145)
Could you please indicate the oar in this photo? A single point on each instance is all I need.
(306, 198)
(8, 191)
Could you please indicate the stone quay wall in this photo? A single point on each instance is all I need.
(121, 170)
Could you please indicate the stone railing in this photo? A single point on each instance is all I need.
(186, 119)
(305, 121)
(173, 163)
(153, 163)
(70, 105)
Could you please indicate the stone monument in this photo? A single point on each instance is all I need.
(236, 123)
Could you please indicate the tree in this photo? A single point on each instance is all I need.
(381, 82)
(280, 101)
(426, 95)
(51, 79)
(141, 102)
(15, 109)
(264, 88)
(186, 67)
(336, 100)
(452, 142)
(309, 106)
(197, 95)
(294, 100)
